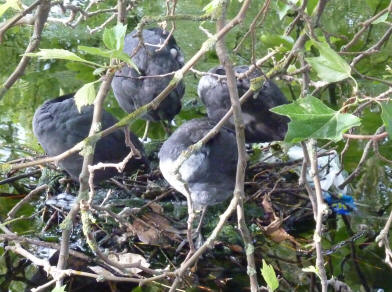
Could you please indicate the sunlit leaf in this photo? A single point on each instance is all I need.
(329, 65)
(125, 58)
(99, 71)
(386, 116)
(59, 289)
(15, 4)
(47, 54)
(212, 7)
(110, 54)
(311, 118)
(85, 95)
(269, 276)
(382, 18)
(113, 38)
(311, 5)
(311, 269)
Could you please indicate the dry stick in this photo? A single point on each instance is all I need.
(56, 273)
(357, 170)
(234, 202)
(382, 239)
(11, 22)
(304, 181)
(26, 199)
(44, 286)
(261, 14)
(121, 12)
(37, 242)
(239, 192)
(20, 176)
(40, 19)
(365, 26)
(84, 174)
(374, 49)
(311, 145)
(299, 44)
(374, 137)
(45, 160)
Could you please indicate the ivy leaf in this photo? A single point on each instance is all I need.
(269, 276)
(386, 116)
(329, 65)
(311, 118)
(113, 38)
(47, 54)
(85, 95)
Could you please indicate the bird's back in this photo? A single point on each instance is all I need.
(210, 171)
(261, 125)
(58, 126)
(132, 93)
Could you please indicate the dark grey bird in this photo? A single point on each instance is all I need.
(58, 126)
(261, 125)
(210, 172)
(132, 93)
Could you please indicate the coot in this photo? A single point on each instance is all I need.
(261, 125)
(210, 172)
(58, 126)
(133, 93)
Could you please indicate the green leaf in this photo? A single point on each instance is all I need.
(125, 58)
(311, 118)
(211, 8)
(96, 51)
(113, 38)
(377, 4)
(85, 95)
(46, 54)
(269, 276)
(311, 5)
(59, 289)
(311, 269)
(110, 54)
(83, 71)
(329, 65)
(282, 7)
(273, 40)
(386, 116)
(381, 19)
(99, 71)
(15, 4)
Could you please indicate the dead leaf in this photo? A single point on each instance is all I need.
(129, 259)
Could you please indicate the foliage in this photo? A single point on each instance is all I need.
(329, 65)
(269, 276)
(339, 97)
(311, 118)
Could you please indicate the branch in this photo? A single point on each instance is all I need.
(42, 15)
